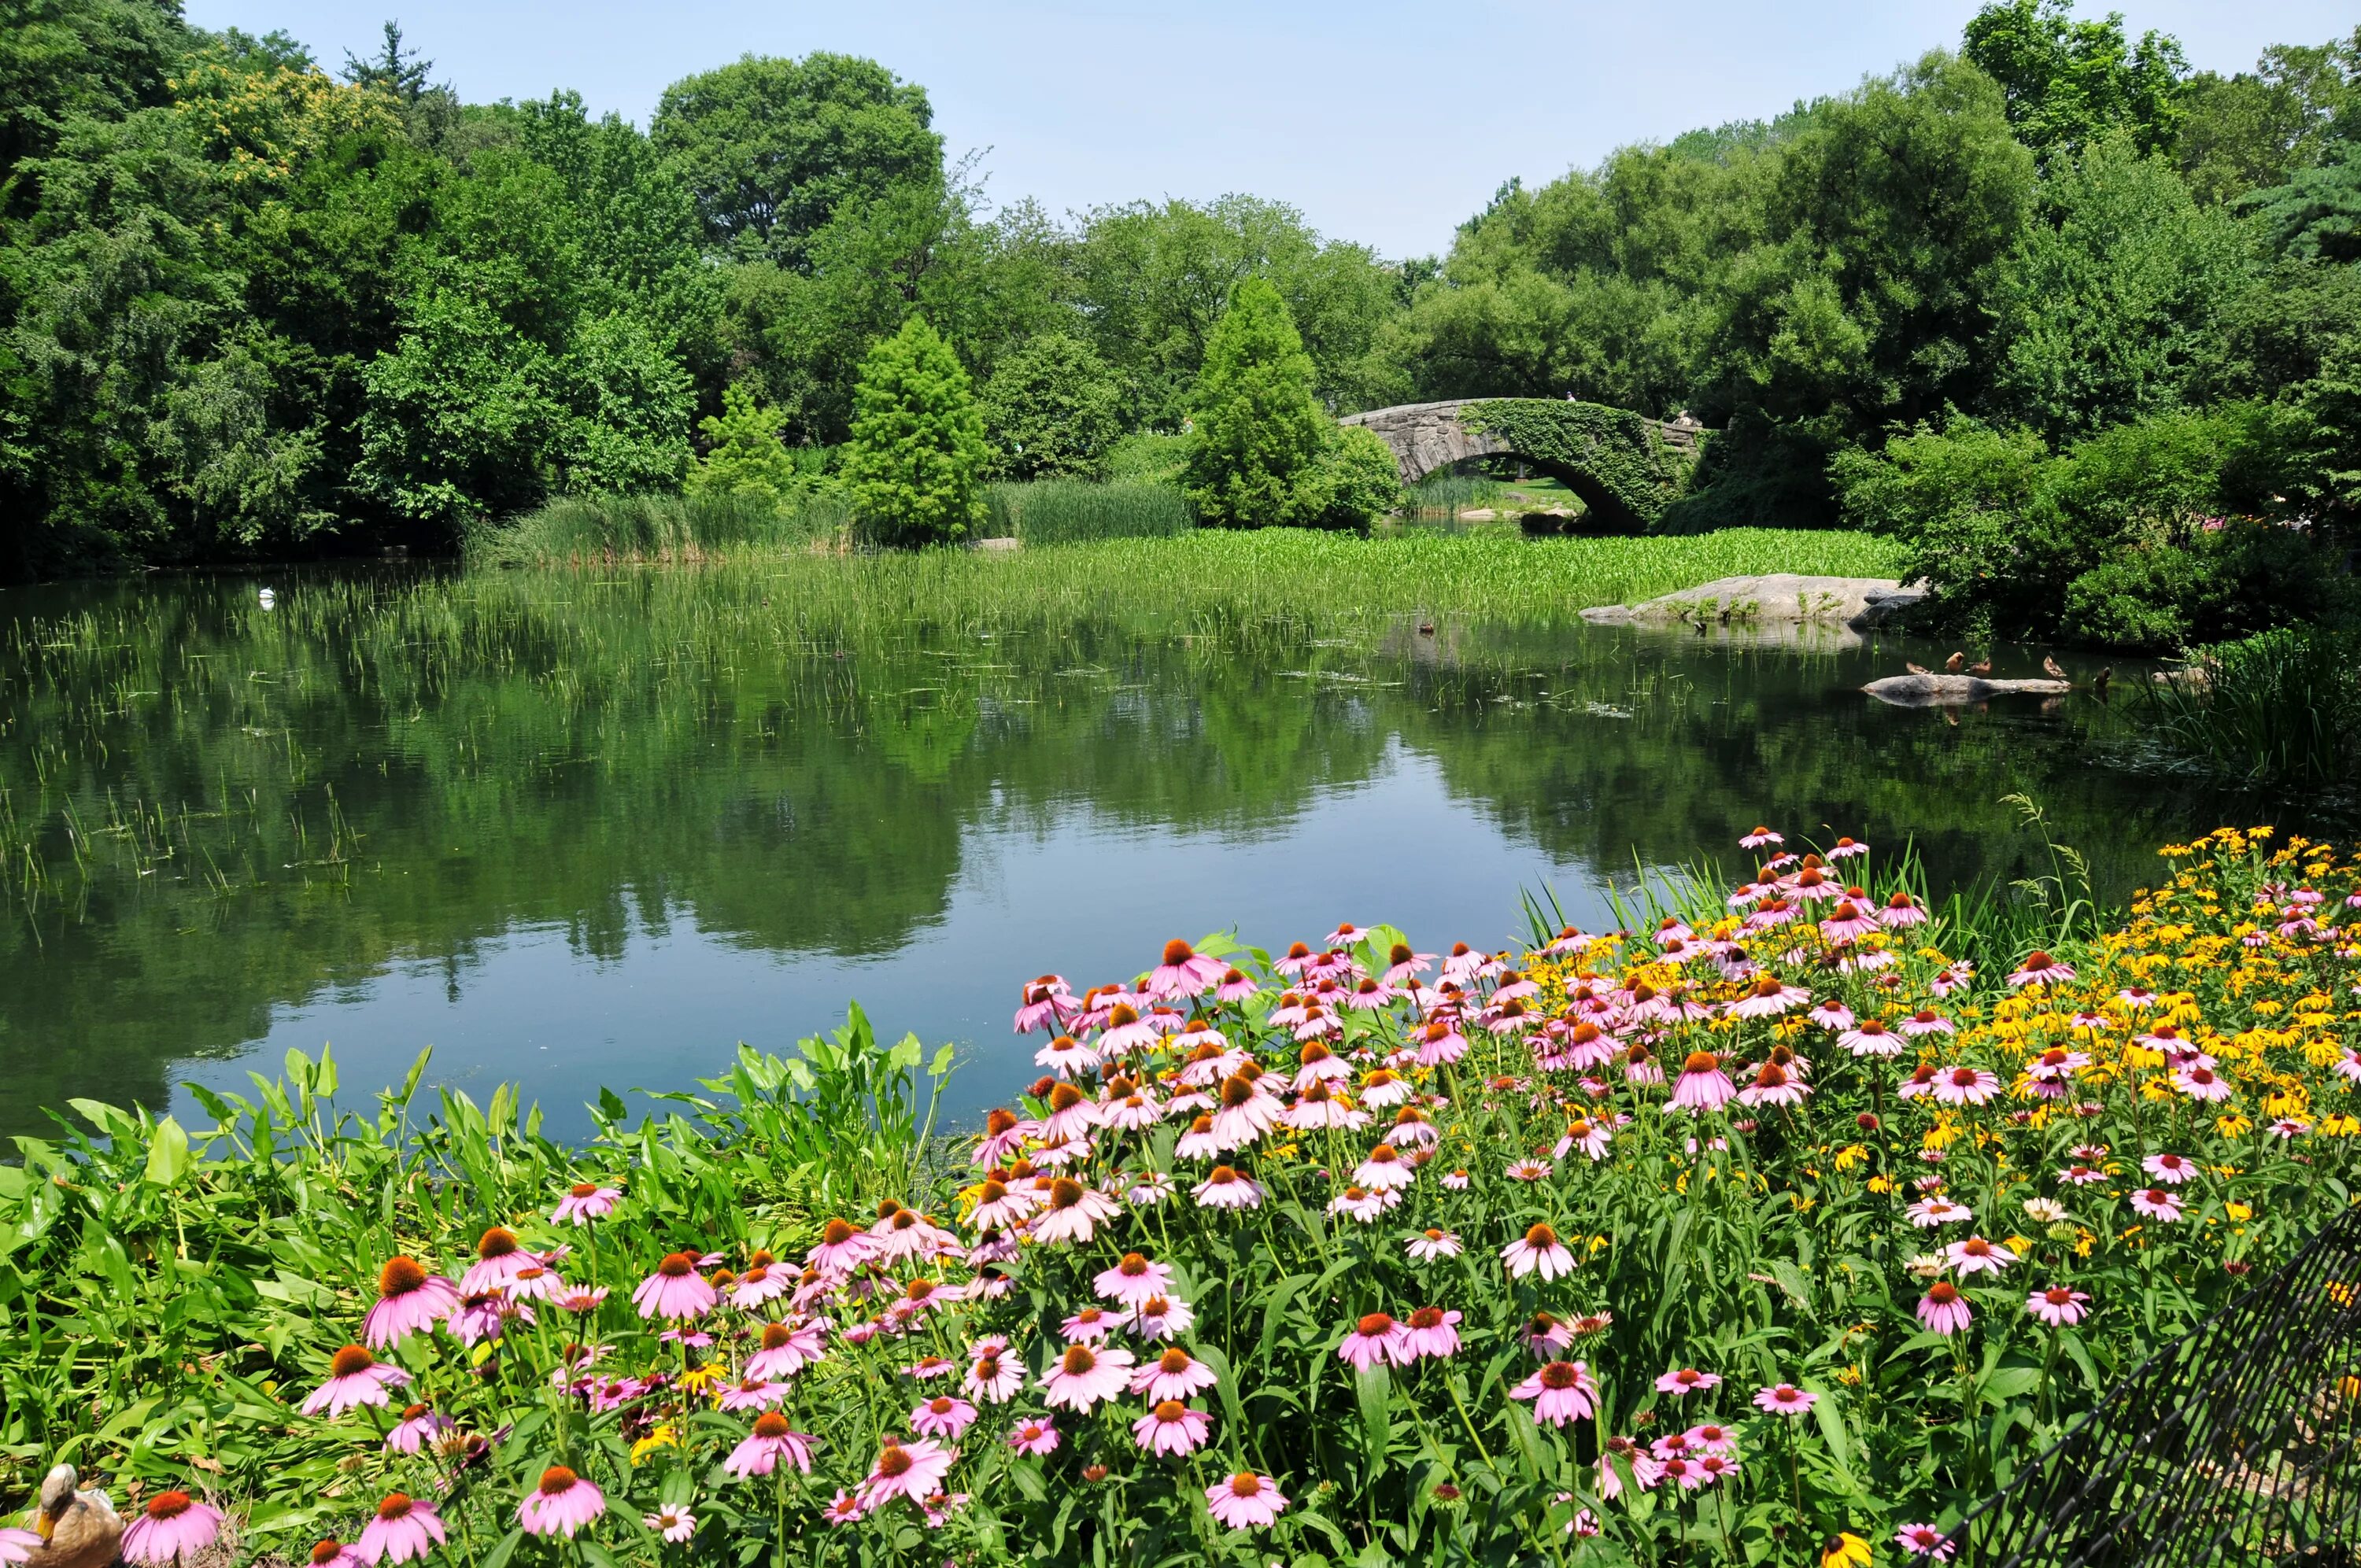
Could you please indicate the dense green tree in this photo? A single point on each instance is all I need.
(2114, 292)
(773, 148)
(2256, 128)
(744, 456)
(64, 59)
(2316, 216)
(915, 466)
(1261, 436)
(2069, 82)
(1051, 411)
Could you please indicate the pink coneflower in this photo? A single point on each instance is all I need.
(1361, 1204)
(1527, 1170)
(1943, 1310)
(586, 1201)
(913, 1470)
(1068, 1057)
(419, 1426)
(1455, 1180)
(499, 1258)
(1767, 997)
(1245, 1501)
(1149, 1190)
(2057, 1306)
(2082, 1176)
(1901, 910)
(785, 1350)
(1546, 1334)
(1185, 972)
(1927, 1021)
(561, 1504)
(1133, 1280)
(2172, 1169)
(927, 1369)
(355, 1377)
(328, 1553)
(753, 1393)
(2156, 1203)
(1085, 1374)
(1760, 837)
(1429, 1332)
(1847, 848)
(1688, 1380)
(172, 1527)
(482, 1318)
(1831, 1014)
(1235, 985)
(1591, 1137)
(1924, 1540)
(2056, 1066)
(1707, 1468)
(1090, 1325)
(672, 1521)
(1385, 1088)
(1385, 1169)
(1646, 1471)
(2202, 1082)
(1072, 1114)
(1937, 1209)
(1537, 1251)
(1128, 1030)
(1170, 1427)
(1224, 1187)
(1074, 1212)
(1562, 1391)
(676, 1290)
(1785, 1400)
(1848, 922)
(843, 1508)
(1005, 1133)
(403, 1528)
(2040, 969)
(945, 1415)
(1037, 1435)
(1774, 1085)
(1162, 1317)
(1045, 1000)
(1977, 1256)
(1871, 1037)
(1702, 1086)
(1247, 1110)
(409, 1298)
(1430, 1245)
(1376, 1339)
(1174, 1375)
(1321, 1065)
(1965, 1086)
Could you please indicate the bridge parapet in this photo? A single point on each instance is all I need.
(1626, 468)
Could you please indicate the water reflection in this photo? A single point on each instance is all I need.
(578, 833)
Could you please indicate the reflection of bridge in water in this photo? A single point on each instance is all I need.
(1625, 468)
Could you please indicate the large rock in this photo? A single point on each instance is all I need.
(1945, 691)
(1857, 604)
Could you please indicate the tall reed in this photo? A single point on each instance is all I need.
(2283, 707)
(655, 528)
(1068, 512)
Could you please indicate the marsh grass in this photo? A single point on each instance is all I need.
(1455, 493)
(2282, 707)
(1073, 512)
(603, 529)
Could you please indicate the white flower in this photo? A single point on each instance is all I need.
(2045, 1211)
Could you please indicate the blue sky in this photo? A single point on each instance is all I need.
(1386, 123)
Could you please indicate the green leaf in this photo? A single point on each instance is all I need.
(500, 1554)
(1372, 1387)
(168, 1154)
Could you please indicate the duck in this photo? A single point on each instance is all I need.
(78, 1529)
(1981, 669)
(1916, 669)
(2052, 667)
(1951, 665)
(2099, 682)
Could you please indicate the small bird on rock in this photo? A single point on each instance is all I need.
(2050, 665)
(1954, 661)
(1982, 669)
(1916, 669)
(78, 1529)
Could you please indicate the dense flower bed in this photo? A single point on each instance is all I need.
(1769, 1231)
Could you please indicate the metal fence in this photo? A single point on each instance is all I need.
(2234, 1446)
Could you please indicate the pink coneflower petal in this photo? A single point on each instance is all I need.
(1245, 1501)
(561, 1504)
(170, 1527)
(403, 1528)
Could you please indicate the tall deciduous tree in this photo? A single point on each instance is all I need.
(1051, 411)
(2069, 81)
(774, 148)
(916, 465)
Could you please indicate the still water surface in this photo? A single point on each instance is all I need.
(575, 833)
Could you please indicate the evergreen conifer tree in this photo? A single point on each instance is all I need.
(915, 464)
(1260, 437)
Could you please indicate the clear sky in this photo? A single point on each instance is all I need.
(1386, 123)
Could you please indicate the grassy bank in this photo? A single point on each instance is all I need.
(1279, 574)
(1849, 1291)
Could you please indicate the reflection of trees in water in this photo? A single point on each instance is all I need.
(602, 766)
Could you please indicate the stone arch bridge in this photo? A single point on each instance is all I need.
(1626, 468)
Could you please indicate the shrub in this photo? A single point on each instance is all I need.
(1261, 438)
(2121, 538)
(1363, 482)
(916, 463)
(1150, 457)
(745, 457)
(1051, 411)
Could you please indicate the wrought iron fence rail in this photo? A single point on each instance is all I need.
(2238, 1443)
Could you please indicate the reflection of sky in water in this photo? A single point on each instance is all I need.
(1085, 897)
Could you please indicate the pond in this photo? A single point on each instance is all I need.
(585, 829)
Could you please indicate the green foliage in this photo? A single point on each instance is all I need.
(914, 468)
(582, 528)
(1149, 457)
(2114, 291)
(1068, 512)
(2316, 216)
(743, 453)
(1363, 481)
(1613, 458)
(2071, 81)
(1051, 411)
(2258, 128)
(773, 148)
(2128, 537)
(1261, 438)
(2281, 707)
